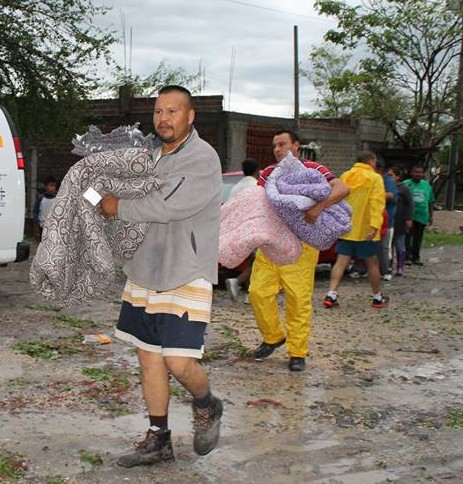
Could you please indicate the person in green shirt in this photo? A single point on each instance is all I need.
(423, 198)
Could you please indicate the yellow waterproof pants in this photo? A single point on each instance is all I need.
(297, 282)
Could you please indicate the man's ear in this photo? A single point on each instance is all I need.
(191, 116)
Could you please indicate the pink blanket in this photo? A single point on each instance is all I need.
(249, 222)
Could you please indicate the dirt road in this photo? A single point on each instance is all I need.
(381, 399)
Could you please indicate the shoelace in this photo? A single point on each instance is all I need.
(203, 418)
(143, 444)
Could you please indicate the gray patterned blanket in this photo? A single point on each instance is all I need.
(76, 259)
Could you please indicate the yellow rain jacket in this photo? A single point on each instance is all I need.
(367, 198)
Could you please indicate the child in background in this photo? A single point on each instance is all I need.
(44, 202)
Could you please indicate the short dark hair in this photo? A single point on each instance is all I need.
(365, 156)
(397, 170)
(50, 179)
(250, 166)
(175, 87)
(380, 164)
(292, 134)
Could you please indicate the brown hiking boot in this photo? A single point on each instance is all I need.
(207, 426)
(157, 447)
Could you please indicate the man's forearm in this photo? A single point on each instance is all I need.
(339, 191)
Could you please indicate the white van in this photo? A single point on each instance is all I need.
(12, 194)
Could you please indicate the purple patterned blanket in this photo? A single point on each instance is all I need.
(292, 189)
(76, 259)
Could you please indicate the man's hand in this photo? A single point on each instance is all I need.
(370, 235)
(108, 206)
(408, 224)
(311, 215)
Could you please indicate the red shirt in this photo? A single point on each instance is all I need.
(264, 174)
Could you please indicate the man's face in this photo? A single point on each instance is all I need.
(282, 144)
(394, 176)
(417, 174)
(172, 117)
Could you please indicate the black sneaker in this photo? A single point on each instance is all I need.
(296, 363)
(266, 349)
(330, 302)
(417, 262)
(207, 426)
(380, 303)
(157, 447)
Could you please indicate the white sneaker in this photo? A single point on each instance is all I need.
(387, 277)
(233, 288)
(246, 299)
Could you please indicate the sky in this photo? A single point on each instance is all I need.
(245, 49)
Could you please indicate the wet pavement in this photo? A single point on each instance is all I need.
(381, 399)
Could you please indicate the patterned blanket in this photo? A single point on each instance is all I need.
(292, 189)
(248, 222)
(76, 259)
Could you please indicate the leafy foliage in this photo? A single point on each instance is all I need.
(406, 74)
(150, 85)
(48, 51)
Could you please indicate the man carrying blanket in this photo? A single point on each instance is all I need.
(297, 279)
(168, 295)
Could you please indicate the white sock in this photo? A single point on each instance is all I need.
(378, 295)
(332, 294)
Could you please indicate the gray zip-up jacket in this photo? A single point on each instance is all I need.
(181, 244)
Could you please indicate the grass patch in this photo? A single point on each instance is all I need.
(354, 355)
(36, 349)
(433, 239)
(11, 466)
(371, 419)
(235, 343)
(108, 390)
(76, 323)
(16, 382)
(43, 307)
(98, 374)
(119, 381)
(455, 419)
(176, 391)
(211, 355)
(92, 459)
(51, 350)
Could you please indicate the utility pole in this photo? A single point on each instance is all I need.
(296, 77)
(456, 137)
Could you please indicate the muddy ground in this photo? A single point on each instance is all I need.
(381, 399)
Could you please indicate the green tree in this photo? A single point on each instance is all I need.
(48, 53)
(407, 73)
(149, 85)
(328, 72)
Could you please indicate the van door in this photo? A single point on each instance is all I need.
(12, 194)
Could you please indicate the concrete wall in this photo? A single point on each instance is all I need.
(235, 136)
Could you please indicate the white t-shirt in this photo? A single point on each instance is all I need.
(246, 182)
(45, 206)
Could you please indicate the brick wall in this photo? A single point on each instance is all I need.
(235, 136)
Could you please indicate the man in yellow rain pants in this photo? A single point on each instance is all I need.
(296, 280)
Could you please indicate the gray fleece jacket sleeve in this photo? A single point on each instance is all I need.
(186, 188)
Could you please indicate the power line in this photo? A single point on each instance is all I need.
(284, 12)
